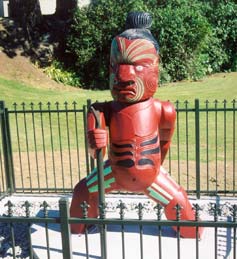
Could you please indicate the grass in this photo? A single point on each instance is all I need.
(217, 87)
(15, 92)
(220, 86)
(220, 144)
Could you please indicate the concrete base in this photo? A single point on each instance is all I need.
(132, 249)
(132, 244)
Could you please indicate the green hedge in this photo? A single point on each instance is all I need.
(196, 37)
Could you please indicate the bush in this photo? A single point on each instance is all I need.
(90, 38)
(60, 74)
(222, 15)
(194, 40)
(183, 34)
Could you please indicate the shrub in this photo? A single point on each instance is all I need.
(195, 37)
(222, 15)
(183, 33)
(60, 74)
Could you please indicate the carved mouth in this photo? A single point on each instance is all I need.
(124, 86)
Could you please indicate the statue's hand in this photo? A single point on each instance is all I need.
(97, 138)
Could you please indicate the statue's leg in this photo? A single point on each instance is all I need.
(87, 190)
(168, 193)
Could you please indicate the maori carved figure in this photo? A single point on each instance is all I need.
(139, 130)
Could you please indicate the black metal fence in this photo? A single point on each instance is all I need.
(43, 147)
(214, 226)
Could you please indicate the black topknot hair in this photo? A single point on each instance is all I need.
(137, 26)
(138, 20)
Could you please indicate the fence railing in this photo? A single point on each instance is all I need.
(43, 147)
(203, 153)
(48, 149)
(158, 225)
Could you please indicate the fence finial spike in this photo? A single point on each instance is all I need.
(140, 208)
(57, 105)
(102, 211)
(158, 209)
(45, 206)
(85, 206)
(27, 206)
(197, 210)
(9, 205)
(121, 206)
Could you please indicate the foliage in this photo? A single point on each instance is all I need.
(222, 15)
(57, 72)
(90, 38)
(183, 33)
(196, 37)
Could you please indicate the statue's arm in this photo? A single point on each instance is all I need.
(166, 127)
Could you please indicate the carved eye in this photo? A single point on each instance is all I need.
(139, 68)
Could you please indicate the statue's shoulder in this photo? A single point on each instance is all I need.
(165, 109)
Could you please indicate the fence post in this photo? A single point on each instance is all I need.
(92, 160)
(65, 229)
(197, 146)
(7, 148)
(85, 139)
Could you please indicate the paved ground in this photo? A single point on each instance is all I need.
(132, 239)
(132, 245)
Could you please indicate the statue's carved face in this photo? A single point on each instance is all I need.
(133, 70)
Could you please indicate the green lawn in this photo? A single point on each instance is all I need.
(219, 86)
(216, 87)
(50, 143)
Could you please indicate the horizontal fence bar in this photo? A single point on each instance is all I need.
(145, 222)
(44, 111)
(51, 190)
(110, 221)
(34, 220)
(206, 109)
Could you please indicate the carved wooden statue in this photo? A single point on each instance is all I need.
(140, 129)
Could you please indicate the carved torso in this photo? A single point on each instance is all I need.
(134, 143)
